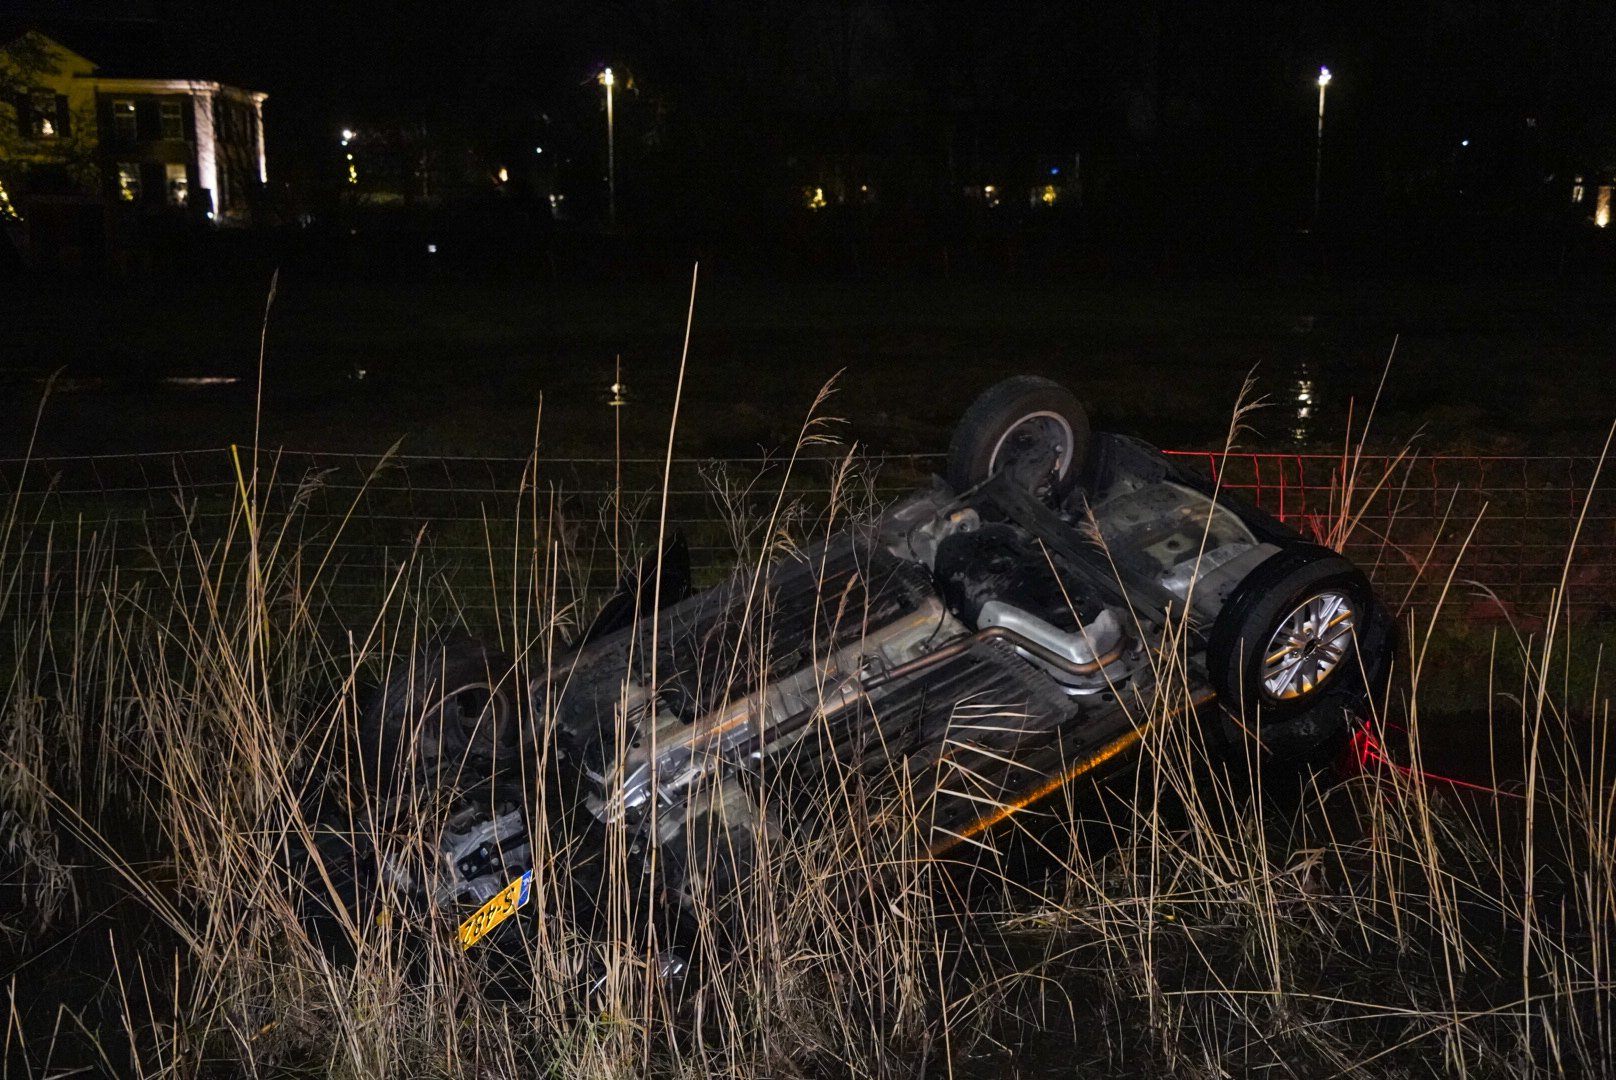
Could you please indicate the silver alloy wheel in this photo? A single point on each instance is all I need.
(1308, 646)
(1035, 448)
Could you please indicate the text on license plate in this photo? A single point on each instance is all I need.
(500, 907)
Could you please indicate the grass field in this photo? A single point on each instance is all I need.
(1193, 916)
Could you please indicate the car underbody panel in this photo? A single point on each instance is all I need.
(985, 641)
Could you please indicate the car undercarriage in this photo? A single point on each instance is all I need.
(1012, 626)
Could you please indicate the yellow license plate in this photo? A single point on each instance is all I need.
(501, 907)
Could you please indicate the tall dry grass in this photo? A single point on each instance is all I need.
(174, 746)
(181, 735)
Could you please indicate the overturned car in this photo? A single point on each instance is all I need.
(985, 641)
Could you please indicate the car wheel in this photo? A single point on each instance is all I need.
(1030, 428)
(451, 711)
(1296, 652)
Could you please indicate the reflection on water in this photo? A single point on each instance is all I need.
(60, 384)
(201, 380)
(1302, 401)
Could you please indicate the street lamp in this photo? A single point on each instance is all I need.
(608, 80)
(1318, 151)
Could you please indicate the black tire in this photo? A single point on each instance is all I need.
(1296, 653)
(451, 715)
(1031, 427)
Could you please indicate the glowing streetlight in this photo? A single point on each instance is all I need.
(608, 80)
(1318, 152)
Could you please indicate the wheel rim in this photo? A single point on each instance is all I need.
(1308, 646)
(1035, 452)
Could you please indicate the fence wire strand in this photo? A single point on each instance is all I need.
(1411, 514)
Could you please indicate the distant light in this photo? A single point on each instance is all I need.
(1464, 142)
(350, 157)
(1305, 405)
(504, 174)
(607, 78)
(1049, 194)
(432, 249)
(1602, 207)
(538, 149)
(1054, 170)
(347, 133)
(814, 197)
(210, 215)
(1324, 76)
(618, 395)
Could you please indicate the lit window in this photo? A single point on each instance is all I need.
(123, 120)
(179, 185)
(173, 121)
(43, 104)
(128, 181)
(1602, 207)
(1576, 190)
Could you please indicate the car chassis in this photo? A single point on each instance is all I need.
(986, 640)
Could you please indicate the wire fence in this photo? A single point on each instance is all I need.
(1494, 535)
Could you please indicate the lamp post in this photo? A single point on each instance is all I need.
(608, 80)
(1318, 150)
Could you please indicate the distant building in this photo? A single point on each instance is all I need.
(85, 156)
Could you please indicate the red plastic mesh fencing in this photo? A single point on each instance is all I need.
(1490, 537)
